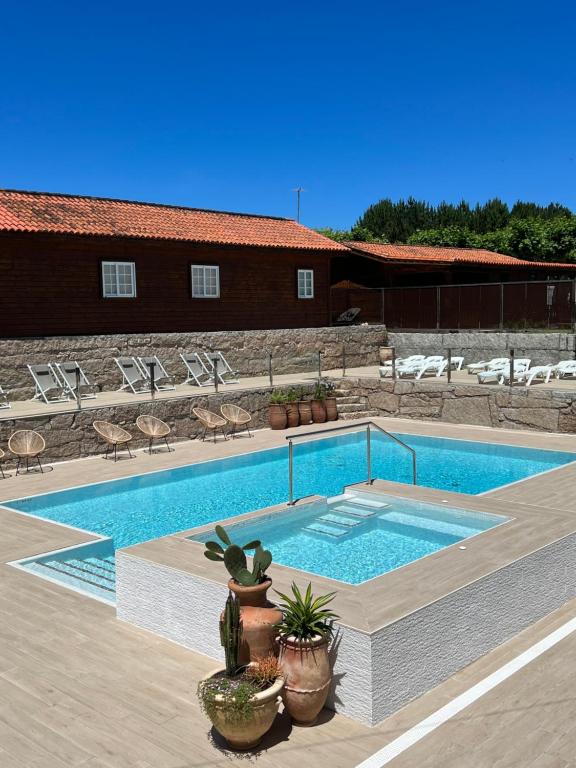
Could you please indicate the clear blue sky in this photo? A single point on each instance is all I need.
(230, 105)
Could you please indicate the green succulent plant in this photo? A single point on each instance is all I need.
(277, 397)
(231, 633)
(234, 558)
(305, 616)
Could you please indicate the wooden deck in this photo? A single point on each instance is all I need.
(79, 688)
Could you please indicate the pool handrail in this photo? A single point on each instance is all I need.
(318, 432)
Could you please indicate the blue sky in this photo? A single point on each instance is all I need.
(231, 105)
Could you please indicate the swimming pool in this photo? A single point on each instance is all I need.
(358, 536)
(136, 509)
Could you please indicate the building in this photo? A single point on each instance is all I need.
(84, 265)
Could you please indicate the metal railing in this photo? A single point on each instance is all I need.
(369, 425)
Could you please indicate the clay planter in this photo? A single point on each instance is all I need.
(254, 596)
(277, 417)
(259, 633)
(307, 674)
(331, 409)
(318, 411)
(292, 414)
(305, 412)
(247, 734)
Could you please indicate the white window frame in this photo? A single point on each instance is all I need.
(305, 281)
(207, 284)
(118, 291)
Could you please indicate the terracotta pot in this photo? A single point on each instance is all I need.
(254, 596)
(248, 733)
(292, 414)
(318, 411)
(277, 417)
(307, 674)
(259, 633)
(331, 409)
(305, 412)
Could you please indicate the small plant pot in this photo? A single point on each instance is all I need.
(277, 417)
(292, 414)
(307, 674)
(259, 633)
(305, 412)
(331, 409)
(246, 733)
(318, 411)
(253, 596)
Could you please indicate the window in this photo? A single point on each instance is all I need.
(118, 279)
(205, 282)
(305, 283)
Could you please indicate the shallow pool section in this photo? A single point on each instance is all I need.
(355, 537)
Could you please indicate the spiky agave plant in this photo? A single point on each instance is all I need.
(234, 558)
(305, 616)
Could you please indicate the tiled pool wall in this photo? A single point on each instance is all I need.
(376, 673)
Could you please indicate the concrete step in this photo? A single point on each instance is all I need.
(351, 407)
(357, 415)
(343, 399)
(341, 392)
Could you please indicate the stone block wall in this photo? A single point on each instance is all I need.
(293, 350)
(541, 348)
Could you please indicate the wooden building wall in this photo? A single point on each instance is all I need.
(51, 285)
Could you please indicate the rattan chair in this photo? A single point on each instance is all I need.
(154, 429)
(2, 454)
(211, 422)
(237, 417)
(26, 444)
(114, 436)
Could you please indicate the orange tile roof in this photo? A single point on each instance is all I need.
(74, 214)
(434, 255)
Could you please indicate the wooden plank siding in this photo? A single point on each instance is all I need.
(51, 285)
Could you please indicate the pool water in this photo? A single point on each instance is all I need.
(357, 536)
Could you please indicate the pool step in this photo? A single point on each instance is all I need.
(325, 529)
(354, 511)
(346, 521)
(78, 570)
(427, 523)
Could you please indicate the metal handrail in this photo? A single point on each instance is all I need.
(368, 425)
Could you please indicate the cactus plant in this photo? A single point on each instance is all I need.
(234, 558)
(231, 633)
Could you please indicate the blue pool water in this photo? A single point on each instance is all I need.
(358, 536)
(148, 506)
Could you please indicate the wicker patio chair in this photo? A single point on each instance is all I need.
(211, 422)
(114, 436)
(154, 429)
(237, 418)
(26, 444)
(2, 454)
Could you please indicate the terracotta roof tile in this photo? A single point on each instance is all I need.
(72, 214)
(432, 254)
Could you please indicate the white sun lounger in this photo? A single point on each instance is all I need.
(484, 365)
(132, 376)
(456, 362)
(528, 375)
(4, 403)
(163, 381)
(48, 386)
(67, 375)
(502, 374)
(386, 368)
(435, 365)
(565, 369)
(198, 374)
(226, 374)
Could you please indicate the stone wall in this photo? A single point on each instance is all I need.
(293, 350)
(487, 405)
(541, 348)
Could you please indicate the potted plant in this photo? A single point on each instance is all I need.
(292, 415)
(304, 408)
(330, 401)
(277, 417)
(241, 702)
(259, 618)
(318, 405)
(305, 632)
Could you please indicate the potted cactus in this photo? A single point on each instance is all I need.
(241, 701)
(304, 408)
(292, 413)
(277, 416)
(330, 401)
(318, 403)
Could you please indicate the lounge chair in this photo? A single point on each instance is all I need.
(348, 317)
(67, 375)
(198, 374)
(163, 381)
(132, 375)
(484, 365)
(48, 385)
(236, 417)
(211, 422)
(114, 436)
(217, 363)
(154, 429)
(4, 402)
(528, 375)
(386, 368)
(26, 444)
(565, 369)
(502, 374)
(435, 365)
(456, 362)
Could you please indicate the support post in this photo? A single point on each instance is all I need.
(393, 363)
(511, 372)
(368, 455)
(215, 364)
(449, 368)
(78, 394)
(343, 360)
(501, 306)
(319, 365)
(290, 473)
(270, 376)
(152, 367)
